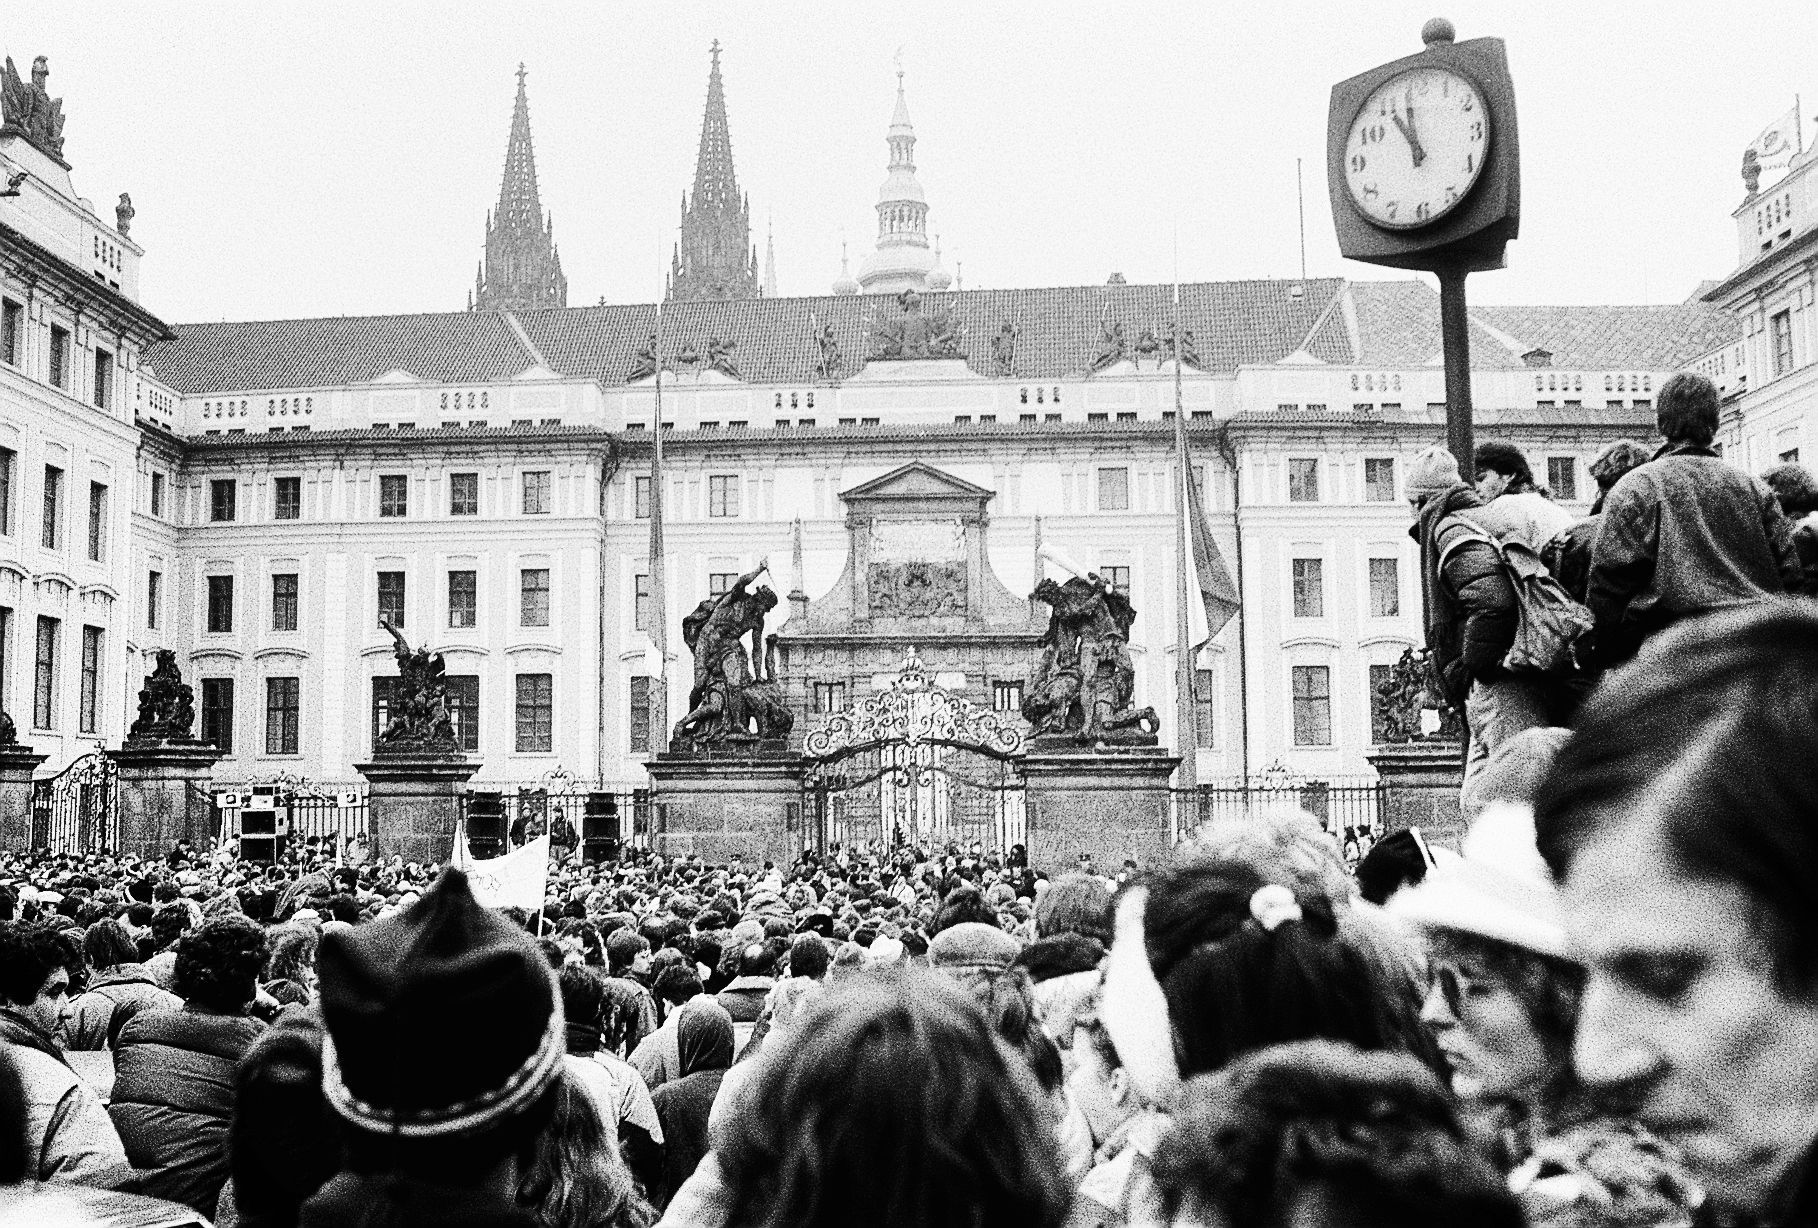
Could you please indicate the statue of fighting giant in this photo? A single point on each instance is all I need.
(1084, 684)
(419, 721)
(731, 699)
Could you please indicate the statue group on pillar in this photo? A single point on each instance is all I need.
(1083, 687)
(735, 697)
(419, 722)
(167, 705)
(29, 109)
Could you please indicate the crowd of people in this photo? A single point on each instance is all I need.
(1600, 1010)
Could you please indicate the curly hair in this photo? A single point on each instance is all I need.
(218, 965)
(896, 1106)
(293, 954)
(170, 923)
(107, 944)
(575, 1174)
(1317, 1126)
(29, 953)
(964, 903)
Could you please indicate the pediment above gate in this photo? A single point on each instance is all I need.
(913, 488)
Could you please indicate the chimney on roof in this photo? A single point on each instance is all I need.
(1116, 279)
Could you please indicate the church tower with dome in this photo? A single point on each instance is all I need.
(903, 260)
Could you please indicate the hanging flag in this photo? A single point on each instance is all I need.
(1207, 574)
(1778, 142)
(520, 877)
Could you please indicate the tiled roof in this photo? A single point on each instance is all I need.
(1645, 338)
(1388, 324)
(451, 347)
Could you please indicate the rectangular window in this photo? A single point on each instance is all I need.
(722, 495)
(464, 709)
(1007, 696)
(1117, 576)
(463, 494)
(6, 648)
(536, 713)
(104, 378)
(1379, 479)
(281, 700)
(12, 330)
(829, 697)
(1781, 325)
(637, 718)
(384, 691)
(533, 597)
(536, 492)
(720, 581)
(157, 494)
(1309, 588)
(1562, 477)
(284, 601)
(59, 356)
(391, 597)
(640, 497)
(287, 499)
(1379, 707)
(8, 458)
(1303, 479)
(1203, 696)
(463, 598)
(97, 521)
(154, 599)
(640, 604)
(1312, 705)
(220, 604)
(53, 507)
(87, 713)
(1385, 588)
(218, 713)
(44, 682)
(394, 495)
(1114, 490)
(222, 493)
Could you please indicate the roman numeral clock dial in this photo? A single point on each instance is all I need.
(1416, 148)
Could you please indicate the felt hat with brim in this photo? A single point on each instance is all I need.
(1498, 889)
(973, 944)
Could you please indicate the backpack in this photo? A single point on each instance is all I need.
(1552, 625)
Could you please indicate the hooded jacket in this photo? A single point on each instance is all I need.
(1468, 606)
(173, 1099)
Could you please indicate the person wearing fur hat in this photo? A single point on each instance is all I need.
(1468, 607)
(1503, 1005)
(444, 1039)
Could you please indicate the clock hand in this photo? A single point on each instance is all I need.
(1407, 130)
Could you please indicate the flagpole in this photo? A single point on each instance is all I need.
(655, 617)
(1183, 634)
(1799, 123)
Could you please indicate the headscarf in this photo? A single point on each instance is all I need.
(703, 1036)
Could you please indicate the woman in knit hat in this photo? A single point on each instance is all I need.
(1503, 1007)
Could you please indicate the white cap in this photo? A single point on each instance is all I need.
(1499, 889)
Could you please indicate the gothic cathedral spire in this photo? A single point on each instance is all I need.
(522, 268)
(716, 258)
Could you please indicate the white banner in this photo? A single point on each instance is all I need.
(1779, 141)
(519, 877)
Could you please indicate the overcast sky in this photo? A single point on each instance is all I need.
(339, 159)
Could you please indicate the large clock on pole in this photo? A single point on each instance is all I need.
(1422, 161)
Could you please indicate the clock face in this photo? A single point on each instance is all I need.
(1416, 148)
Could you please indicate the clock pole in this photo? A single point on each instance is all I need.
(1455, 337)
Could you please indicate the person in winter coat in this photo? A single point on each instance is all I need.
(1797, 490)
(1568, 555)
(67, 1135)
(119, 987)
(704, 1036)
(1469, 608)
(1072, 930)
(173, 1095)
(1504, 480)
(1685, 534)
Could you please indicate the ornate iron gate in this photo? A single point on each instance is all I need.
(915, 765)
(77, 810)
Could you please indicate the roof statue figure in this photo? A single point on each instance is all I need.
(30, 111)
(903, 259)
(716, 258)
(522, 268)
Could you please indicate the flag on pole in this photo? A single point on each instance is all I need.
(1207, 575)
(520, 877)
(1778, 142)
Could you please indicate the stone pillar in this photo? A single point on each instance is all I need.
(413, 803)
(727, 802)
(164, 796)
(1112, 803)
(1421, 782)
(17, 763)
